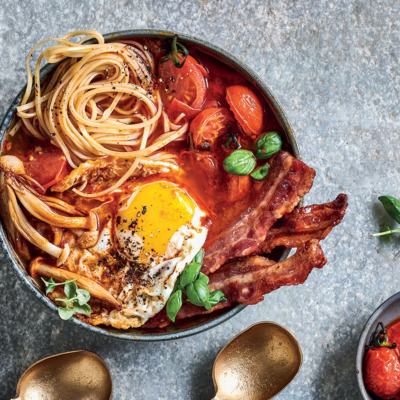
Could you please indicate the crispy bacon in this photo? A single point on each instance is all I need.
(247, 280)
(288, 181)
(304, 224)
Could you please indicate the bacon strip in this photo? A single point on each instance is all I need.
(247, 280)
(304, 224)
(289, 179)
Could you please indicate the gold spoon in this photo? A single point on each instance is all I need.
(74, 375)
(257, 364)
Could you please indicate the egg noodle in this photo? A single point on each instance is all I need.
(99, 101)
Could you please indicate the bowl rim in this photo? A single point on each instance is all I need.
(28, 282)
(363, 340)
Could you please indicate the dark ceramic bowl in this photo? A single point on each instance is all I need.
(387, 312)
(195, 325)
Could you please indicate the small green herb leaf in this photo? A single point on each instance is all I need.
(268, 144)
(260, 173)
(82, 308)
(392, 206)
(83, 296)
(70, 289)
(198, 293)
(198, 258)
(216, 297)
(65, 312)
(192, 295)
(174, 304)
(50, 285)
(190, 273)
(203, 277)
(177, 285)
(240, 162)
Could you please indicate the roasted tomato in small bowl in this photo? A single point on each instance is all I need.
(378, 353)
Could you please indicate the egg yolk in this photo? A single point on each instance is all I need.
(154, 214)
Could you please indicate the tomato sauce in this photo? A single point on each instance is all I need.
(224, 197)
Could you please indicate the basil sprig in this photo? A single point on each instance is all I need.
(243, 162)
(392, 207)
(194, 284)
(75, 300)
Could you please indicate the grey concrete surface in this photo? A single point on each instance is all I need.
(334, 65)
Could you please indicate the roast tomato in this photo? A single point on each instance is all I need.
(209, 125)
(45, 163)
(198, 65)
(382, 372)
(246, 108)
(182, 89)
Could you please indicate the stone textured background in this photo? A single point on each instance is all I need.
(334, 65)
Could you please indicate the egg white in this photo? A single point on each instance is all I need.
(149, 286)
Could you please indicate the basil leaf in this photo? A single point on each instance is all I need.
(388, 237)
(216, 297)
(190, 273)
(174, 304)
(50, 285)
(192, 295)
(83, 296)
(268, 144)
(198, 258)
(203, 277)
(81, 308)
(240, 162)
(392, 206)
(198, 293)
(260, 173)
(70, 289)
(65, 313)
(177, 285)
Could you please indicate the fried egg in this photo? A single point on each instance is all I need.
(156, 232)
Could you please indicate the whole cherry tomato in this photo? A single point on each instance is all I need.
(382, 367)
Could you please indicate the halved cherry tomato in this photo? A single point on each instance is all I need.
(45, 163)
(182, 89)
(199, 66)
(246, 108)
(177, 107)
(209, 125)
